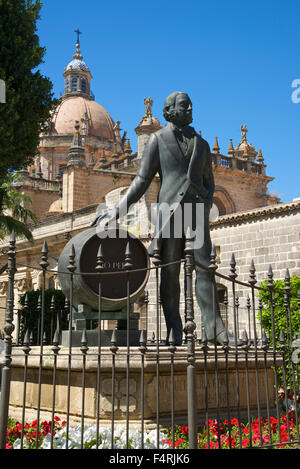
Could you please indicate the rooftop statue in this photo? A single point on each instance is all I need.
(148, 107)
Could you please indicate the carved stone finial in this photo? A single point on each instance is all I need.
(128, 148)
(216, 147)
(244, 131)
(230, 149)
(148, 102)
(259, 157)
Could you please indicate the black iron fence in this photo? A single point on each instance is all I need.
(197, 395)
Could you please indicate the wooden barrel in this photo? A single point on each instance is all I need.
(113, 287)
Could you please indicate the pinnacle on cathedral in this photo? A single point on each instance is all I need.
(76, 155)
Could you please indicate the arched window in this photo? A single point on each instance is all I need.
(83, 86)
(68, 85)
(74, 84)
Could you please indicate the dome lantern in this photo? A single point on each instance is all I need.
(77, 75)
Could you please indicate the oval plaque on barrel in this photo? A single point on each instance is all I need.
(85, 289)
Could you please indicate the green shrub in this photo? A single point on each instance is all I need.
(30, 319)
(286, 320)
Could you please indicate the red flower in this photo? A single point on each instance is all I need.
(211, 445)
(184, 429)
(245, 442)
(177, 442)
(168, 442)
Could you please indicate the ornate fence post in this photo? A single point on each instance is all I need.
(190, 334)
(8, 329)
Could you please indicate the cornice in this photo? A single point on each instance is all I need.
(271, 211)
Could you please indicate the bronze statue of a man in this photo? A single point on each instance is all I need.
(182, 159)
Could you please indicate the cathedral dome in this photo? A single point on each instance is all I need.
(77, 64)
(77, 108)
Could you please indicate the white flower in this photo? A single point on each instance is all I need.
(105, 434)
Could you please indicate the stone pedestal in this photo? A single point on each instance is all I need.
(228, 383)
(106, 336)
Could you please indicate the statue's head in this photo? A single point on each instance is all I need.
(178, 109)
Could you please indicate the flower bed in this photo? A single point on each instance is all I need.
(75, 436)
(213, 435)
(230, 435)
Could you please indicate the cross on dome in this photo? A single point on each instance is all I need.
(78, 32)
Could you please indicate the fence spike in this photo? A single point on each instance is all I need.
(226, 341)
(225, 298)
(270, 274)
(143, 339)
(56, 337)
(44, 262)
(39, 303)
(26, 343)
(84, 340)
(113, 347)
(113, 338)
(287, 275)
(71, 267)
(213, 259)
(232, 273)
(245, 337)
(282, 341)
(252, 274)
(45, 248)
(13, 237)
(26, 340)
(100, 259)
(143, 342)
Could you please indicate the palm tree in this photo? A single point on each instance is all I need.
(14, 216)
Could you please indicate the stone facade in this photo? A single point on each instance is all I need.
(269, 235)
(84, 161)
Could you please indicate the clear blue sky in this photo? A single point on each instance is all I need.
(235, 59)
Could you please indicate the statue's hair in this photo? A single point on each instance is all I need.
(169, 105)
